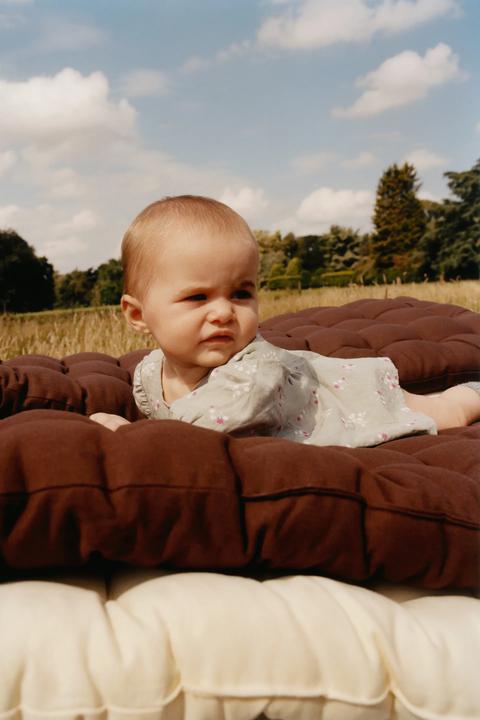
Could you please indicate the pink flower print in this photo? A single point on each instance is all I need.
(381, 396)
(306, 434)
(390, 381)
(348, 366)
(218, 419)
(314, 397)
(340, 384)
(383, 436)
(157, 404)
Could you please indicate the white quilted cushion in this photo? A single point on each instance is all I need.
(201, 646)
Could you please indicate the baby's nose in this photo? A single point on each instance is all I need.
(221, 310)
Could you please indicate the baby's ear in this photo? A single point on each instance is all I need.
(133, 313)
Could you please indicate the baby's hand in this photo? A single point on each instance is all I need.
(112, 422)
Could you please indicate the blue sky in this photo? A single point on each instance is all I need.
(288, 110)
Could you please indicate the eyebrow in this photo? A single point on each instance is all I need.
(195, 289)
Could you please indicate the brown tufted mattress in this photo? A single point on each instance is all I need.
(163, 493)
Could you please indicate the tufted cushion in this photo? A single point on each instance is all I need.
(163, 493)
(433, 345)
(192, 646)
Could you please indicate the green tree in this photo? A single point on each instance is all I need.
(451, 244)
(26, 281)
(74, 289)
(399, 221)
(108, 287)
(343, 247)
(311, 251)
(271, 254)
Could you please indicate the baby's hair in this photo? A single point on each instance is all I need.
(153, 224)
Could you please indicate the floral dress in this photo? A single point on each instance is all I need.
(294, 394)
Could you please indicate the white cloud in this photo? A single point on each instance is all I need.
(426, 195)
(7, 215)
(62, 107)
(82, 221)
(234, 50)
(66, 184)
(325, 207)
(403, 79)
(145, 82)
(7, 160)
(362, 160)
(195, 64)
(317, 23)
(312, 163)
(247, 201)
(64, 239)
(59, 35)
(424, 159)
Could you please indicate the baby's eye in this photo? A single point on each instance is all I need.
(242, 294)
(196, 298)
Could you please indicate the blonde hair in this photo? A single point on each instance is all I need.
(153, 225)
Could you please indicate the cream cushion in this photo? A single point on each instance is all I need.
(205, 646)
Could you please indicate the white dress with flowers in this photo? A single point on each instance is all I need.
(293, 394)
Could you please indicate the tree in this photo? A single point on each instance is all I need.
(108, 287)
(26, 281)
(311, 251)
(399, 222)
(342, 248)
(452, 241)
(75, 288)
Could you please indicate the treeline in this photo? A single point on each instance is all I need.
(412, 240)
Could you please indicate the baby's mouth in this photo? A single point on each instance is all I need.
(219, 338)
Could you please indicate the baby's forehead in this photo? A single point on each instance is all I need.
(207, 237)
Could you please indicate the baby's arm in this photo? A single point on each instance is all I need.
(112, 422)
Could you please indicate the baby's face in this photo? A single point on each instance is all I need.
(202, 305)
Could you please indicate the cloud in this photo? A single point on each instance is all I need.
(7, 214)
(424, 159)
(246, 201)
(403, 79)
(64, 238)
(62, 108)
(145, 82)
(312, 163)
(318, 23)
(232, 51)
(195, 64)
(326, 206)
(426, 195)
(477, 127)
(7, 160)
(363, 160)
(59, 35)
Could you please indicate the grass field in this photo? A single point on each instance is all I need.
(63, 332)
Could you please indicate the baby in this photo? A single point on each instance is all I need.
(190, 266)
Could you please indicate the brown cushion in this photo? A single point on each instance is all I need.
(433, 345)
(164, 493)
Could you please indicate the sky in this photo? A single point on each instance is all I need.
(287, 110)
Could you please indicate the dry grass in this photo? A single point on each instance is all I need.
(63, 332)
